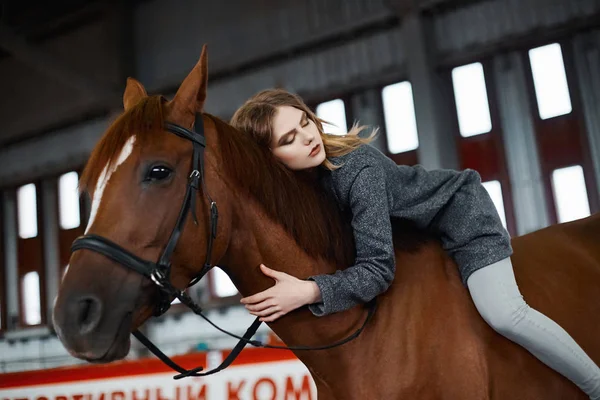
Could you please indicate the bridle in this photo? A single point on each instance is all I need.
(159, 272)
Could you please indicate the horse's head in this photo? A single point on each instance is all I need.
(138, 177)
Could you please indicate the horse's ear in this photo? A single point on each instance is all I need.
(203, 63)
(134, 92)
(191, 95)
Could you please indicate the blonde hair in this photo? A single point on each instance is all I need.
(255, 117)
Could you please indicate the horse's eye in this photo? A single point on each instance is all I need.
(158, 173)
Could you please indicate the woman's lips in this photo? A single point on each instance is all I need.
(315, 151)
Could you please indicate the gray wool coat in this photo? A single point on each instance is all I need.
(374, 188)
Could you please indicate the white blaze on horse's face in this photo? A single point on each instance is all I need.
(105, 177)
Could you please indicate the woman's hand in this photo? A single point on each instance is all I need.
(288, 294)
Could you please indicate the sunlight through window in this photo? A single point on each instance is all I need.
(399, 114)
(550, 81)
(68, 198)
(570, 194)
(334, 112)
(494, 188)
(471, 98)
(223, 285)
(31, 298)
(27, 205)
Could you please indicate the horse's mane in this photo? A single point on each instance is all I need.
(293, 199)
(141, 120)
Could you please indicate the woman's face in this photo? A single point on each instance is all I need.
(296, 141)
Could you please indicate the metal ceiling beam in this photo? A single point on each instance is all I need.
(46, 64)
(404, 7)
(123, 13)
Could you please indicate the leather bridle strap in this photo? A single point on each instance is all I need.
(115, 252)
(196, 371)
(242, 340)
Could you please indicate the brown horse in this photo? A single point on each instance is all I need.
(426, 339)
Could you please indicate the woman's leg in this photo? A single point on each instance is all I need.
(497, 298)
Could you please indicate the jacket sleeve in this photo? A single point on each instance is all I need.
(374, 267)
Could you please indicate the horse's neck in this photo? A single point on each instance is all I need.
(256, 239)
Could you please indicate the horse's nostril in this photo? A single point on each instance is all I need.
(89, 312)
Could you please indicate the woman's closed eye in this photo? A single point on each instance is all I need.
(289, 139)
(304, 123)
(291, 136)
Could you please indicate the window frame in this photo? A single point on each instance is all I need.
(408, 155)
(3, 294)
(561, 141)
(67, 236)
(31, 251)
(485, 152)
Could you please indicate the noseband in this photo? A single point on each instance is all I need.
(159, 272)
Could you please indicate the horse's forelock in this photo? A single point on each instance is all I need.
(143, 121)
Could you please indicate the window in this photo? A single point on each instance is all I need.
(222, 284)
(472, 105)
(333, 112)
(400, 120)
(570, 194)
(3, 295)
(550, 81)
(27, 208)
(31, 298)
(494, 189)
(68, 198)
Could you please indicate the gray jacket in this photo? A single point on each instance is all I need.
(374, 188)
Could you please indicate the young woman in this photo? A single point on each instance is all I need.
(374, 188)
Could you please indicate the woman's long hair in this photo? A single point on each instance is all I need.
(256, 116)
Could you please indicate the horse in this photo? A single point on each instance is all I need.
(426, 340)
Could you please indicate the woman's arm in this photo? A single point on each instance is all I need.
(374, 267)
(371, 274)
